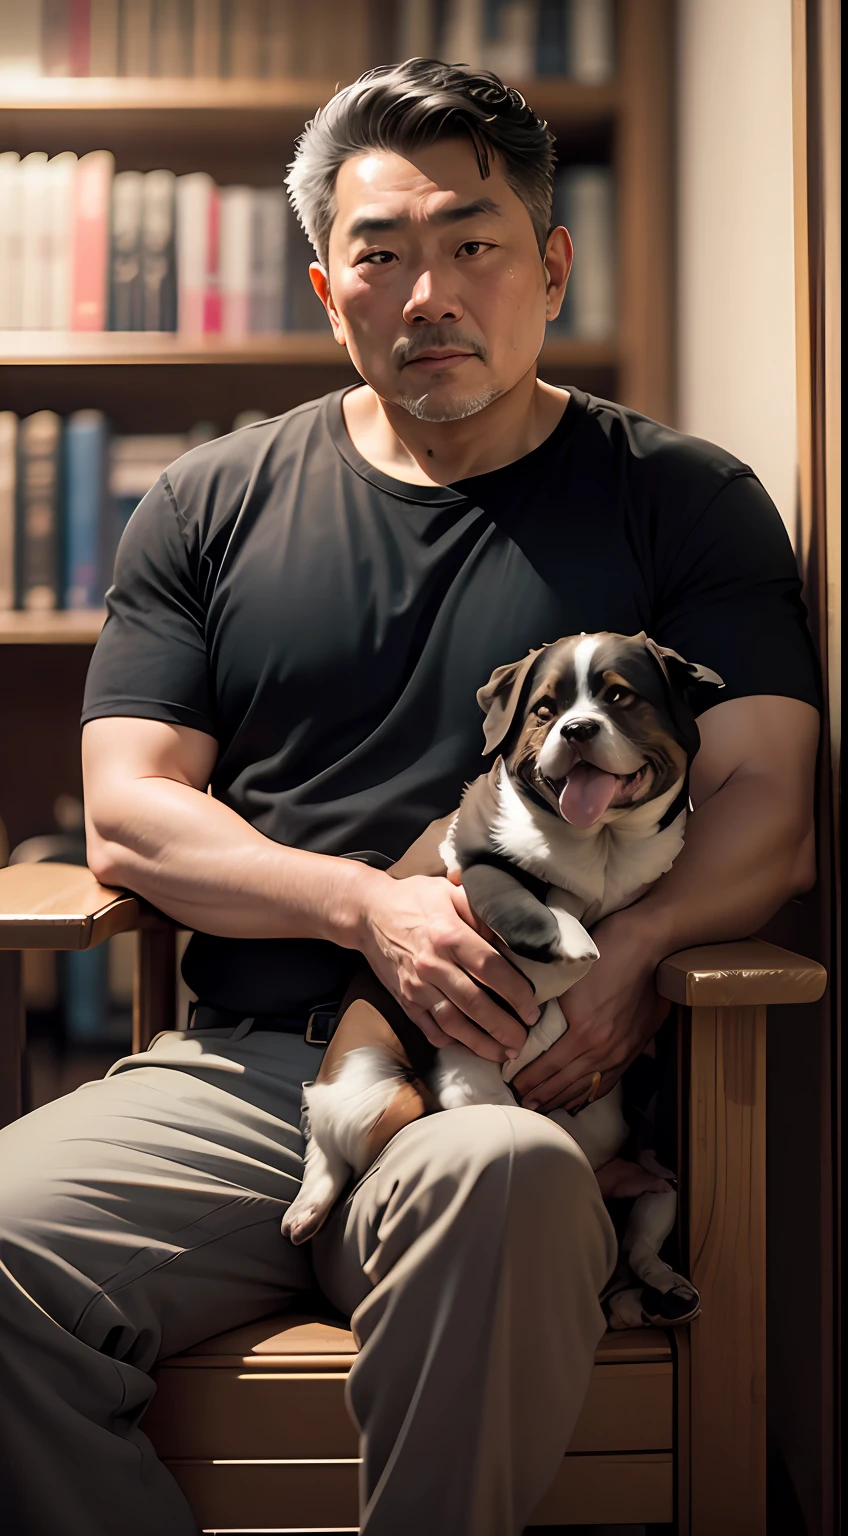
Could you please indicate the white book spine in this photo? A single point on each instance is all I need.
(236, 214)
(590, 45)
(36, 227)
(194, 193)
(8, 478)
(11, 234)
(61, 171)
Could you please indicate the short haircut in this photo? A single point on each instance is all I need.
(404, 107)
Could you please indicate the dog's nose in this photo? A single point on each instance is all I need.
(580, 730)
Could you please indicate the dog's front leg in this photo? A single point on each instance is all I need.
(459, 1078)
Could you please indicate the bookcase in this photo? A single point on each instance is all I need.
(244, 130)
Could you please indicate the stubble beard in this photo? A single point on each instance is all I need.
(453, 410)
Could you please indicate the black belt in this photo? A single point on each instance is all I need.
(316, 1025)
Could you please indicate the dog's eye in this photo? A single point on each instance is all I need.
(618, 695)
(545, 709)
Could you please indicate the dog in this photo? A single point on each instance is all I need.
(583, 809)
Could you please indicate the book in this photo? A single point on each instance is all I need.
(416, 29)
(279, 40)
(79, 36)
(135, 464)
(85, 512)
(194, 194)
(37, 531)
(126, 295)
(509, 39)
(55, 38)
(236, 210)
(171, 38)
(302, 310)
(61, 173)
(212, 313)
(243, 27)
(590, 41)
(462, 32)
(584, 201)
(8, 480)
(551, 28)
(104, 37)
(90, 253)
(20, 38)
(159, 252)
(268, 262)
(11, 240)
(35, 240)
(136, 38)
(207, 39)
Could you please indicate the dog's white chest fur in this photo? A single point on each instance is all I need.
(603, 868)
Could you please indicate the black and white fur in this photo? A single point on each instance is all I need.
(508, 828)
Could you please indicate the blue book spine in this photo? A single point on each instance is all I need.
(86, 446)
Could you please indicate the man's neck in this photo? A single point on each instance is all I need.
(440, 453)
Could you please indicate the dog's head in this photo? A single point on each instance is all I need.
(595, 724)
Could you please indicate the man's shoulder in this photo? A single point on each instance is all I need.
(660, 459)
(215, 473)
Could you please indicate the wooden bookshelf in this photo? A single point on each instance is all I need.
(244, 130)
(80, 628)
(136, 349)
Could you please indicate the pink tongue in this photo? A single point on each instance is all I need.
(587, 793)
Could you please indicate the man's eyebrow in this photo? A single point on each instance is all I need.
(368, 226)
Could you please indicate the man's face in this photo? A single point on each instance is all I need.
(426, 257)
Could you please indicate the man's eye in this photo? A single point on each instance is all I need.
(480, 245)
(618, 695)
(374, 258)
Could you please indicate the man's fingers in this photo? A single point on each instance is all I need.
(487, 965)
(460, 1028)
(561, 1091)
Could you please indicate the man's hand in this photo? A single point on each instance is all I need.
(611, 1014)
(428, 948)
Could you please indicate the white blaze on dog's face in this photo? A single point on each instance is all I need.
(595, 724)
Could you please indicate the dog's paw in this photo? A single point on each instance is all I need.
(308, 1211)
(534, 935)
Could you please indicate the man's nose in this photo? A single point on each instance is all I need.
(432, 301)
(579, 730)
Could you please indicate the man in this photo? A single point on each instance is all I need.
(301, 615)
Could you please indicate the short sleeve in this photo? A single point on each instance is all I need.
(150, 659)
(729, 597)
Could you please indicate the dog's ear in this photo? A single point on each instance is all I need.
(689, 674)
(500, 697)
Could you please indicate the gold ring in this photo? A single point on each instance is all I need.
(596, 1083)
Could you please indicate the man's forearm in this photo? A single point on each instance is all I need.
(202, 864)
(743, 858)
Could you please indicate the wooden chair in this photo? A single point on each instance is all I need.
(673, 1430)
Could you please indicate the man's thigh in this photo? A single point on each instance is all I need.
(142, 1212)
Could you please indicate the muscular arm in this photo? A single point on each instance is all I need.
(152, 828)
(749, 848)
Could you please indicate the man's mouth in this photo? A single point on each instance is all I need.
(586, 792)
(440, 359)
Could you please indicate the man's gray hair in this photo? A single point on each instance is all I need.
(404, 107)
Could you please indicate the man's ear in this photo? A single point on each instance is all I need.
(499, 699)
(687, 674)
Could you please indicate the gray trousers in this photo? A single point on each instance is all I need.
(141, 1215)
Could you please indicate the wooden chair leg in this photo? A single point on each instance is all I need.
(12, 1035)
(155, 989)
(727, 1243)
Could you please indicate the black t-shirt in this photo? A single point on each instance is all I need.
(330, 625)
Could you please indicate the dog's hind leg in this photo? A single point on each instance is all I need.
(325, 1175)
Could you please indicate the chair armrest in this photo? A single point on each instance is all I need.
(743, 974)
(63, 906)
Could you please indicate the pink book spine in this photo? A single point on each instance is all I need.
(212, 307)
(90, 260)
(79, 36)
